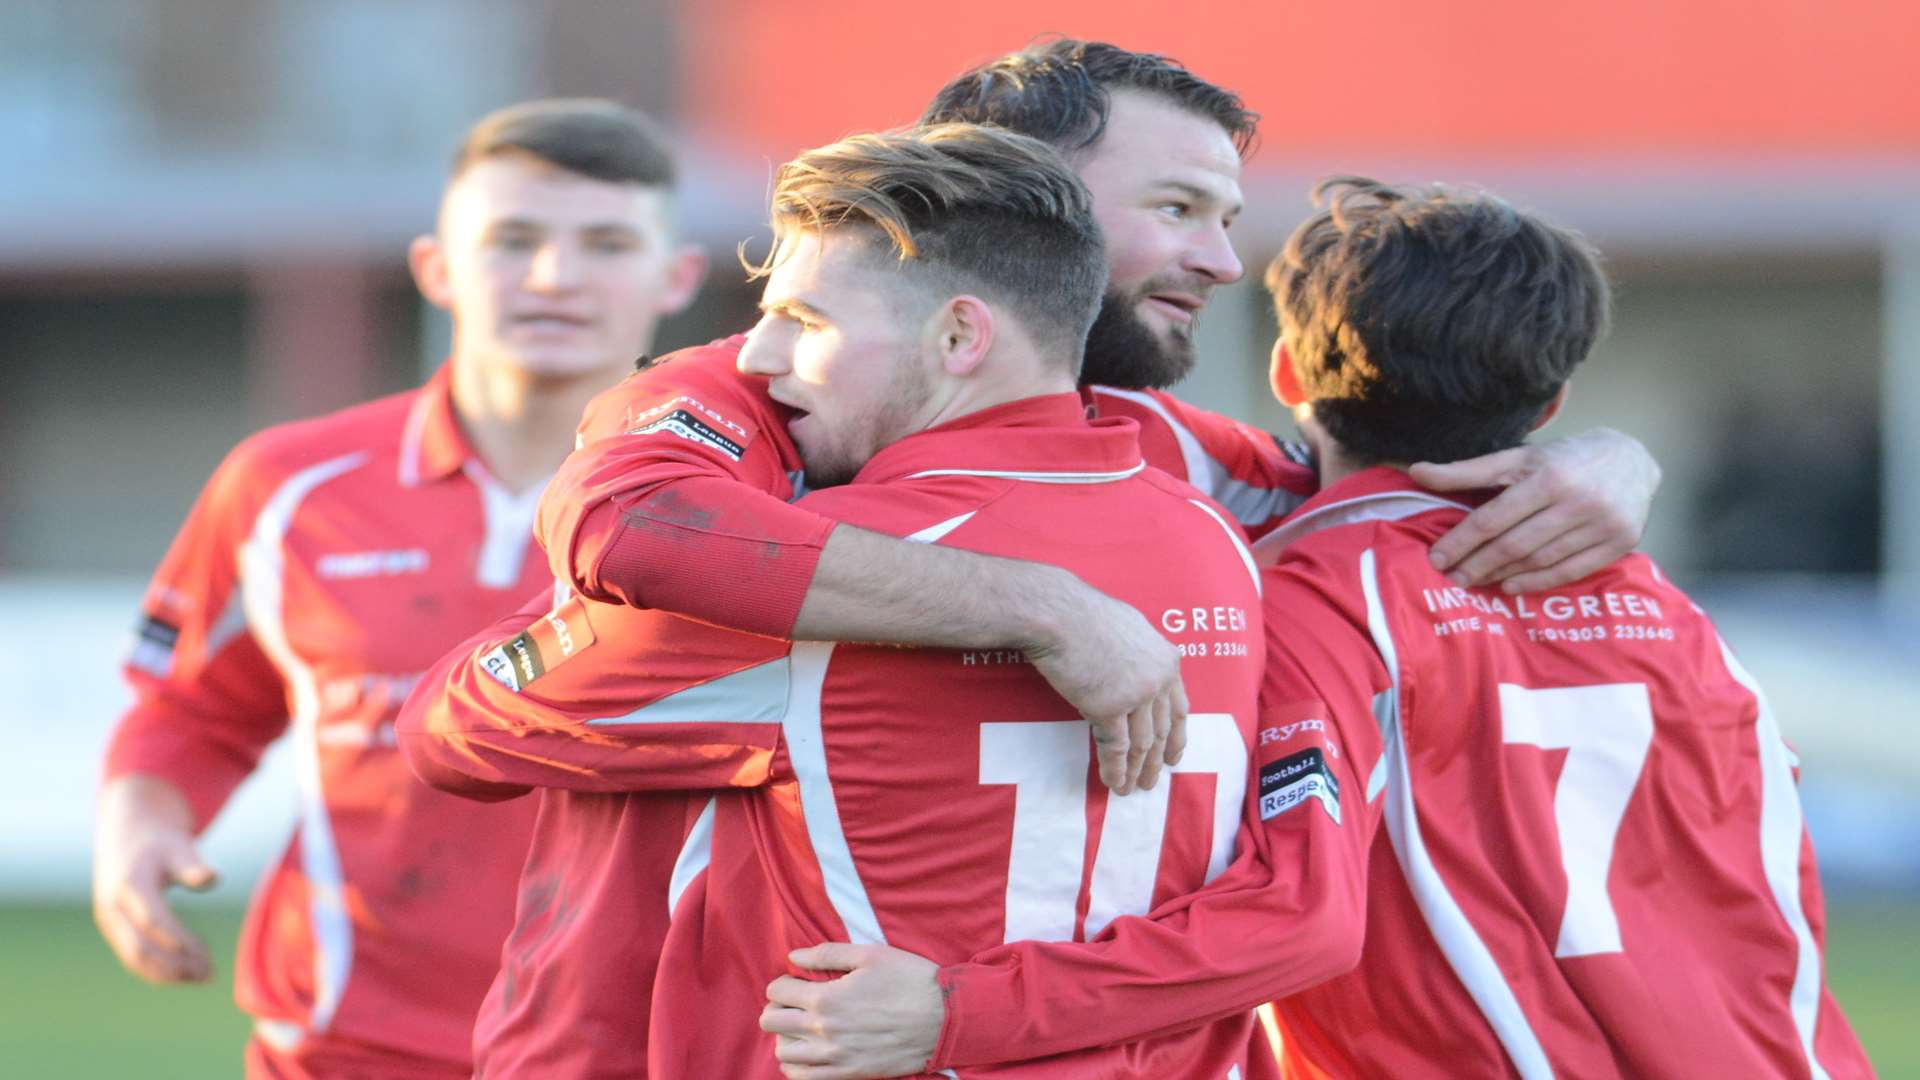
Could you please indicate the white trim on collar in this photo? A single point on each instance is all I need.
(1037, 477)
(1379, 506)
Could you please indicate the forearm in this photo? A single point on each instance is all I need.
(200, 760)
(1248, 938)
(138, 802)
(590, 722)
(871, 587)
(708, 547)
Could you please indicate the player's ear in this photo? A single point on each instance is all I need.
(427, 260)
(1553, 407)
(686, 271)
(1286, 381)
(963, 332)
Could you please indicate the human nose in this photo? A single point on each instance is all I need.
(555, 268)
(765, 353)
(1212, 254)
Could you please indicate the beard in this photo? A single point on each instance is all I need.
(1124, 353)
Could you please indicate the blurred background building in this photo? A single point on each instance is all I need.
(204, 207)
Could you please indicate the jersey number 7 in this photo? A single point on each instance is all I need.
(1047, 764)
(1606, 731)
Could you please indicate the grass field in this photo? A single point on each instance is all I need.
(67, 1010)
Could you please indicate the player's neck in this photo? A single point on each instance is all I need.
(1334, 465)
(521, 426)
(1007, 383)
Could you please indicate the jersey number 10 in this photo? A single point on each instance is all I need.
(1047, 764)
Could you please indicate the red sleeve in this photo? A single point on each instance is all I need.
(676, 498)
(1287, 914)
(206, 699)
(594, 697)
(1253, 474)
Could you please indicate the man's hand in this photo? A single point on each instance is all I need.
(1111, 664)
(1571, 506)
(881, 1018)
(142, 845)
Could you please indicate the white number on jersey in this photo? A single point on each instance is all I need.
(1047, 765)
(1606, 731)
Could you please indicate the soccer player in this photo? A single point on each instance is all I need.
(1593, 852)
(329, 561)
(941, 799)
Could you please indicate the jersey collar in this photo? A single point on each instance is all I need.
(432, 446)
(1377, 494)
(1046, 439)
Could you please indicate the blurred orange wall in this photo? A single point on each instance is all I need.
(1516, 79)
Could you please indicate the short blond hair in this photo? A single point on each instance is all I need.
(977, 207)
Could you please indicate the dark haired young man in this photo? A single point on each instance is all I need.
(1593, 852)
(330, 560)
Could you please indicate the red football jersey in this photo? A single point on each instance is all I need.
(325, 565)
(1256, 477)
(942, 801)
(1592, 863)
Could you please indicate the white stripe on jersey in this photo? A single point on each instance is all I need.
(807, 751)
(1248, 504)
(1781, 829)
(509, 520)
(1462, 945)
(1382, 506)
(754, 695)
(262, 559)
(1239, 545)
(932, 533)
(694, 858)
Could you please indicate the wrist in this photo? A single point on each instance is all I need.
(138, 805)
(1049, 609)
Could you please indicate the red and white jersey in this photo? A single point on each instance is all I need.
(1593, 862)
(940, 801)
(326, 564)
(1259, 479)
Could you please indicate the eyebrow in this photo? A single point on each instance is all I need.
(794, 306)
(1196, 192)
(529, 224)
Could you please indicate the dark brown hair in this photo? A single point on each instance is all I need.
(975, 208)
(599, 139)
(1059, 91)
(1432, 323)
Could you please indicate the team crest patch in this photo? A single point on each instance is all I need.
(554, 638)
(1297, 750)
(690, 427)
(153, 645)
(1292, 780)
